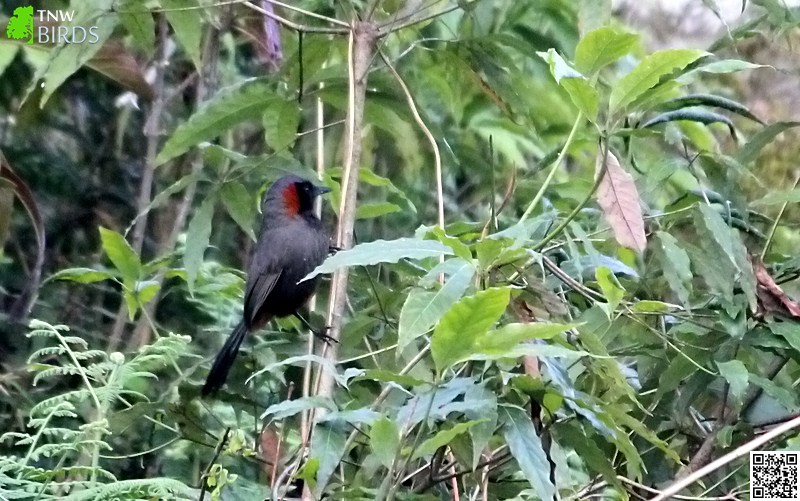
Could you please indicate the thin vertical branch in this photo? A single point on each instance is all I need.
(361, 44)
(425, 130)
(305, 428)
(152, 131)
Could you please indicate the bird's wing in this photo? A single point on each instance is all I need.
(258, 288)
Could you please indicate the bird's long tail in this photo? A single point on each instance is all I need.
(222, 364)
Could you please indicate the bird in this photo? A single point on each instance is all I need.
(291, 243)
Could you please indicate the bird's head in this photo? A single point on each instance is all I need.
(291, 196)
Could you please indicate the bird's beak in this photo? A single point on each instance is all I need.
(321, 190)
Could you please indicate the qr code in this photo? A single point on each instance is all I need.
(773, 476)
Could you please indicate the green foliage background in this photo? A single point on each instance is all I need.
(520, 352)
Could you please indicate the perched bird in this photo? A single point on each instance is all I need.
(291, 243)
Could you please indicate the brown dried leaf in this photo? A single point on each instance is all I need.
(270, 442)
(619, 200)
(118, 64)
(525, 314)
(771, 298)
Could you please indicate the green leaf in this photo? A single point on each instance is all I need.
(612, 290)
(750, 151)
(530, 349)
(737, 376)
(185, 17)
(138, 21)
(327, 446)
(384, 440)
(240, 206)
(461, 249)
(601, 47)
(505, 338)
(717, 230)
(572, 435)
(526, 447)
(580, 91)
(648, 73)
(780, 197)
(650, 306)
(381, 251)
(228, 107)
(709, 100)
(676, 265)
(728, 242)
(369, 177)
(422, 309)
(786, 398)
(481, 406)
(456, 334)
(789, 331)
(82, 275)
(727, 66)
(389, 377)
(146, 290)
(373, 210)
(443, 437)
(197, 236)
(288, 408)
(693, 115)
(280, 120)
(121, 254)
(68, 58)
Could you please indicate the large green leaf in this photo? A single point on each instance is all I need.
(381, 251)
(327, 446)
(443, 437)
(240, 206)
(384, 440)
(185, 17)
(648, 73)
(280, 120)
(737, 376)
(580, 91)
(526, 447)
(752, 148)
(422, 309)
(68, 58)
(82, 275)
(601, 47)
(228, 107)
(504, 339)
(455, 337)
(675, 265)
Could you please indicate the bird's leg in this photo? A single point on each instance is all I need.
(318, 334)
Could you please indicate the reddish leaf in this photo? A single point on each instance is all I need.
(771, 298)
(21, 307)
(619, 200)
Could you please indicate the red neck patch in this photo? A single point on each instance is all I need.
(291, 200)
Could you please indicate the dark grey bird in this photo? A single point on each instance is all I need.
(291, 243)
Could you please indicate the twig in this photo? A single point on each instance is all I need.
(425, 130)
(740, 451)
(775, 223)
(293, 25)
(556, 163)
(703, 454)
(392, 27)
(217, 451)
